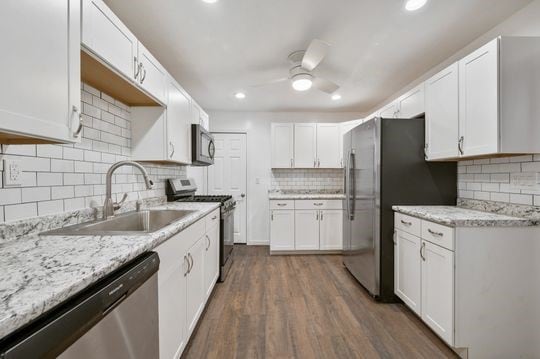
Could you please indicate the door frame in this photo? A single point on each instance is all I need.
(247, 187)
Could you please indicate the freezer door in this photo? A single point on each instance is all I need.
(346, 201)
(361, 257)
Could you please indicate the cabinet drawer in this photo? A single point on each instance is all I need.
(212, 219)
(318, 204)
(195, 231)
(438, 234)
(282, 204)
(408, 224)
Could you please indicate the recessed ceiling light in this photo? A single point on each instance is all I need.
(413, 5)
(336, 97)
(240, 95)
(210, 1)
(302, 82)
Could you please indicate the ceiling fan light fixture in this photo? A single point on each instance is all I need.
(302, 82)
(210, 1)
(413, 5)
(336, 97)
(240, 95)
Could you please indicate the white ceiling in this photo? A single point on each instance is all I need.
(377, 47)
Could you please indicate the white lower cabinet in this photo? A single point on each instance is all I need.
(282, 230)
(306, 225)
(331, 230)
(306, 230)
(189, 267)
(438, 290)
(407, 269)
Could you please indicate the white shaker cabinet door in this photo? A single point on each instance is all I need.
(331, 230)
(479, 101)
(407, 267)
(306, 234)
(328, 145)
(282, 230)
(211, 258)
(40, 87)
(195, 284)
(305, 145)
(442, 114)
(412, 103)
(282, 137)
(438, 290)
(389, 111)
(151, 75)
(178, 124)
(107, 37)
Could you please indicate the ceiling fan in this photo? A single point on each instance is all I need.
(303, 63)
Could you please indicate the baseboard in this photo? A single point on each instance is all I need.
(311, 252)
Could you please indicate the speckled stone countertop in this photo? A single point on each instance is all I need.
(40, 272)
(305, 194)
(463, 217)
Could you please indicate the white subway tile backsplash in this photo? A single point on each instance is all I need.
(73, 178)
(72, 204)
(50, 207)
(493, 183)
(52, 151)
(315, 179)
(23, 150)
(73, 154)
(49, 179)
(62, 192)
(62, 166)
(35, 194)
(10, 195)
(20, 211)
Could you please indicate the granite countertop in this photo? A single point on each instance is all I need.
(462, 217)
(305, 194)
(40, 272)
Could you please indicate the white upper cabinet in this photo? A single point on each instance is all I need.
(151, 75)
(40, 87)
(411, 104)
(107, 37)
(329, 145)
(305, 145)
(478, 101)
(282, 137)
(389, 111)
(178, 123)
(442, 114)
(199, 117)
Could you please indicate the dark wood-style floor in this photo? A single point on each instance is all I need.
(304, 307)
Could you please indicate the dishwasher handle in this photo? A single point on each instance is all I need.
(57, 330)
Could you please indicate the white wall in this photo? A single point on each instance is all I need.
(525, 22)
(257, 127)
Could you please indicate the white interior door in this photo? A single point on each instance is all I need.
(228, 176)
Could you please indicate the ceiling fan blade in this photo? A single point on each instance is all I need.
(271, 82)
(324, 85)
(315, 53)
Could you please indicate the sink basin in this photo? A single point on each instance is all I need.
(147, 221)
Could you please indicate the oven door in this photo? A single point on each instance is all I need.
(203, 148)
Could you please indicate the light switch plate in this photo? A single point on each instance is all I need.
(12, 173)
(525, 181)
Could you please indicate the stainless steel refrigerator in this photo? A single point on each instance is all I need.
(385, 166)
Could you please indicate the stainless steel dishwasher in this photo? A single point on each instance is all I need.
(115, 318)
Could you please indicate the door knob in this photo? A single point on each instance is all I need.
(243, 195)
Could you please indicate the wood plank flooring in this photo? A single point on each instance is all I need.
(304, 307)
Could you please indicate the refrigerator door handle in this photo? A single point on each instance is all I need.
(352, 184)
(345, 183)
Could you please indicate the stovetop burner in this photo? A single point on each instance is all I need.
(208, 198)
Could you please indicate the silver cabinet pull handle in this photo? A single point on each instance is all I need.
(460, 144)
(426, 151)
(272, 215)
(214, 218)
(172, 149)
(208, 239)
(394, 238)
(322, 215)
(406, 223)
(143, 73)
(318, 204)
(318, 162)
(191, 260)
(187, 270)
(438, 234)
(282, 204)
(317, 215)
(137, 68)
(315, 163)
(422, 251)
(292, 164)
(77, 132)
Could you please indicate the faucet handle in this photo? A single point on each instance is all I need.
(117, 205)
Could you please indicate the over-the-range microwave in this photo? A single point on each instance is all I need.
(203, 148)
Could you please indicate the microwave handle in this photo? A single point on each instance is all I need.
(211, 149)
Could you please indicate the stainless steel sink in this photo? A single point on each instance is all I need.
(147, 221)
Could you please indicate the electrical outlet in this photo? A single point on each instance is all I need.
(12, 173)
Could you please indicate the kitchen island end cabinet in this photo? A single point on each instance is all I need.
(476, 287)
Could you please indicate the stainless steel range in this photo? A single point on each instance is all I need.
(183, 190)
